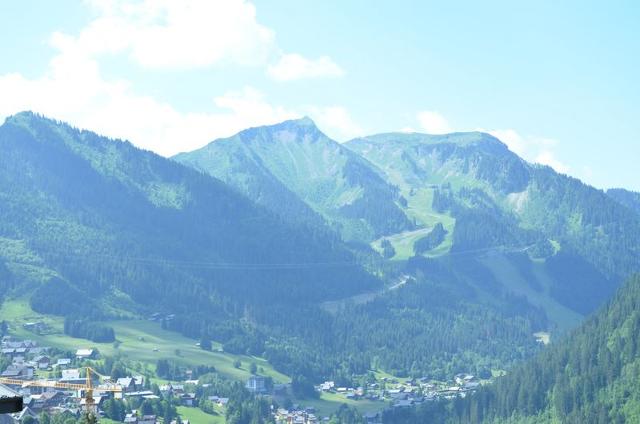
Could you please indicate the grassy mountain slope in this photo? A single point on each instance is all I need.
(296, 171)
(493, 203)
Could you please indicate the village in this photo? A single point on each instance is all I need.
(51, 381)
(390, 392)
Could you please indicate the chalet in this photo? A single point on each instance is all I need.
(18, 371)
(99, 400)
(42, 362)
(139, 381)
(141, 394)
(63, 362)
(165, 388)
(38, 350)
(45, 400)
(131, 419)
(128, 384)
(471, 385)
(256, 384)
(147, 419)
(85, 353)
(16, 344)
(22, 415)
(188, 399)
(151, 397)
(72, 376)
(464, 378)
(36, 327)
(327, 386)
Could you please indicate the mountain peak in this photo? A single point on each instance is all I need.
(24, 117)
(304, 121)
(32, 120)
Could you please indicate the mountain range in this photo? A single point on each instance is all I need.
(418, 254)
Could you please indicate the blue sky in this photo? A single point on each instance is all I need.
(557, 81)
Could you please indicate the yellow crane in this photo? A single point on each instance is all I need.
(88, 387)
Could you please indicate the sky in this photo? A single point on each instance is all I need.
(558, 82)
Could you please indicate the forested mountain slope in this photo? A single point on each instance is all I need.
(97, 227)
(293, 169)
(630, 199)
(589, 377)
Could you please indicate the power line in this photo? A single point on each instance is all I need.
(260, 265)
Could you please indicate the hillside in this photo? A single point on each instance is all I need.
(98, 228)
(295, 170)
(490, 200)
(627, 198)
(591, 376)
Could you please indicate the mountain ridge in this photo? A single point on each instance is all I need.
(333, 181)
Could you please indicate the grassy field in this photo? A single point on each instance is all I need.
(139, 340)
(419, 208)
(196, 416)
(329, 402)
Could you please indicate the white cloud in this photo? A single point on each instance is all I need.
(155, 34)
(73, 90)
(294, 67)
(189, 34)
(546, 157)
(433, 122)
(335, 121)
(170, 34)
(534, 149)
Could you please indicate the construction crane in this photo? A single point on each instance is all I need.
(88, 387)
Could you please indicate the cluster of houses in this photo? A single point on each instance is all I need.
(404, 394)
(134, 418)
(27, 360)
(30, 364)
(297, 416)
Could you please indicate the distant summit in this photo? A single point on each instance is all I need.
(271, 162)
